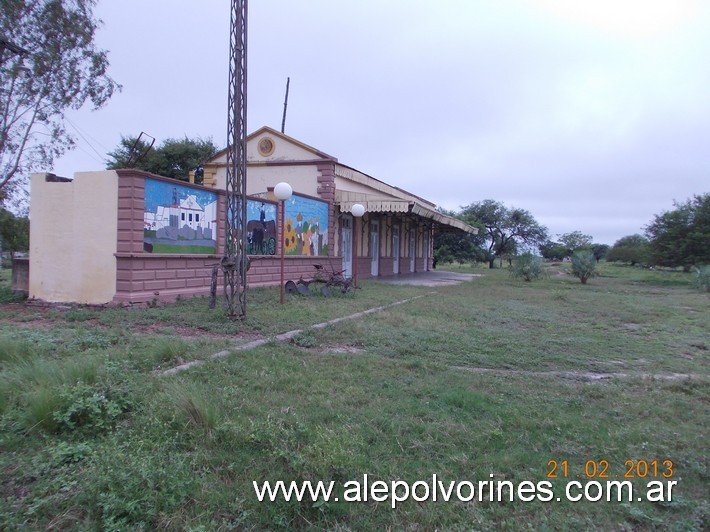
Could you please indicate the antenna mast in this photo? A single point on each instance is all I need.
(235, 261)
(283, 121)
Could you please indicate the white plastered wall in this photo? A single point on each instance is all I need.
(73, 234)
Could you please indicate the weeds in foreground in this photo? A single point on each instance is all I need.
(113, 446)
(195, 404)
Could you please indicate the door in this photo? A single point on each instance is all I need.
(346, 245)
(425, 251)
(395, 249)
(375, 248)
(412, 250)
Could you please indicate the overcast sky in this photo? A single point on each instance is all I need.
(594, 115)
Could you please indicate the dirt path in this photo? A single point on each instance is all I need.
(283, 337)
(588, 375)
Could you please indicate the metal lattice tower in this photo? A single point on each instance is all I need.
(235, 261)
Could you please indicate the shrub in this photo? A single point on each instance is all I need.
(90, 409)
(584, 265)
(527, 267)
(702, 278)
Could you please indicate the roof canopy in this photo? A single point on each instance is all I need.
(373, 203)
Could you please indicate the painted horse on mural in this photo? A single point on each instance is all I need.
(261, 237)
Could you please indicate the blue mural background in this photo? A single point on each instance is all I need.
(261, 227)
(179, 219)
(306, 226)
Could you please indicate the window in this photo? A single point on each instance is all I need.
(182, 216)
(197, 217)
(190, 217)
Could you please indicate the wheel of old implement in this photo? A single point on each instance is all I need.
(303, 289)
(291, 287)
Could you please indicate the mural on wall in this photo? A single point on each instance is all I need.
(261, 227)
(179, 219)
(306, 227)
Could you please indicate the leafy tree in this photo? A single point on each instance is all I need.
(54, 67)
(457, 246)
(632, 249)
(14, 232)
(584, 265)
(553, 250)
(174, 158)
(600, 250)
(505, 229)
(575, 240)
(680, 237)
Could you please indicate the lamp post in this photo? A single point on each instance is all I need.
(282, 191)
(357, 211)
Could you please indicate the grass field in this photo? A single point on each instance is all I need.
(487, 380)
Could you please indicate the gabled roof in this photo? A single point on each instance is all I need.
(386, 198)
(274, 133)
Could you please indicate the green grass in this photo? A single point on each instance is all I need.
(465, 382)
(187, 248)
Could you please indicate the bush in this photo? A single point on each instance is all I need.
(584, 265)
(527, 267)
(90, 409)
(702, 278)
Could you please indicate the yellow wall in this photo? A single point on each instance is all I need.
(73, 234)
(302, 178)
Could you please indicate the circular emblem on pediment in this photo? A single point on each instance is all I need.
(266, 146)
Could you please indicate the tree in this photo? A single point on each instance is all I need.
(584, 265)
(505, 229)
(600, 250)
(553, 250)
(457, 246)
(575, 240)
(14, 232)
(680, 237)
(56, 67)
(174, 158)
(632, 249)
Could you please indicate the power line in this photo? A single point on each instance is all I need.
(102, 158)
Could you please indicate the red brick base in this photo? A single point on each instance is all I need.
(140, 278)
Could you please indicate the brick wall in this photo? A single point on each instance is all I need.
(142, 277)
(326, 190)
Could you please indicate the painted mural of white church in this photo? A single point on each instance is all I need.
(188, 212)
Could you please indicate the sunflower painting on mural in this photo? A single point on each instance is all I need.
(306, 227)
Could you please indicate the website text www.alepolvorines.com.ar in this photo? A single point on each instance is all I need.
(437, 490)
